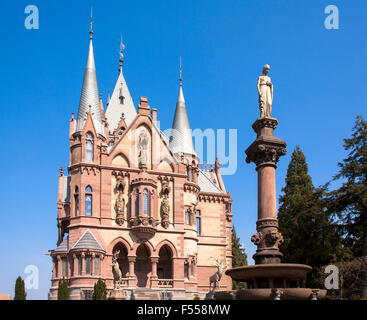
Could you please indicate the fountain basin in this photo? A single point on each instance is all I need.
(289, 271)
(268, 294)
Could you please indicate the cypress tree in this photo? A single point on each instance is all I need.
(100, 290)
(310, 236)
(19, 291)
(63, 290)
(239, 258)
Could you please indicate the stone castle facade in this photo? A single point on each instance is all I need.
(136, 197)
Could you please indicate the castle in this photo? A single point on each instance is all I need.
(137, 203)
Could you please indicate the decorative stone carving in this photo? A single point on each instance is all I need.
(266, 153)
(165, 207)
(265, 91)
(276, 294)
(120, 204)
(117, 275)
(143, 149)
(120, 208)
(256, 238)
(216, 277)
(267, 239)
(143, 227)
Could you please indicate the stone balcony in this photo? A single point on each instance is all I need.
(143, 227)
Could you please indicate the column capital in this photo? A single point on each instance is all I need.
(266, 149)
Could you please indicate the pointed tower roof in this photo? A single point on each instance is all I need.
(121, 101)
(89, 95)
(181, 135)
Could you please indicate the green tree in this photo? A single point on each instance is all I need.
(239, 258)
(19, 293)
(349, 201)
(310, 235)
(100, 290)
(63, 290)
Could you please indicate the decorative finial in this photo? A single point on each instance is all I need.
(91, 23)
(122, 47)
(180, 73)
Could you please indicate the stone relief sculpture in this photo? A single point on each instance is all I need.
(216, 277)
(143, 149)
(165, 207)
(120, 204)
(120, 208)
(265, 90)
(117, 275)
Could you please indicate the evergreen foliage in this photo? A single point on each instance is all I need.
(349, 202)
(310, 234)
(19, 292)
(100, 290)
(63, 290)
(239, 258)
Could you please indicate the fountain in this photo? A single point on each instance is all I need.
(268, 279)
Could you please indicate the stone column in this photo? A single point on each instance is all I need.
(59, 267)
(265, 152)
(83, 263)
(92, 273)
(75, 265)
(154, 277)
(132, 277)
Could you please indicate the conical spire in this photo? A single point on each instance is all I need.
(89, 95)
(181, 135)
(121, 101)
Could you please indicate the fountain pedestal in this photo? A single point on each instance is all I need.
(265, 152)
(268, 279)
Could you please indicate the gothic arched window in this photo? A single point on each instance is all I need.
(89, 147)
(145, 202)
(88, 201)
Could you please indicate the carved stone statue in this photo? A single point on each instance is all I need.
(120, 204)
(120, 208)
(143, 149)
(165, 207)
(117, 275)
(265, 90)
(216, 277)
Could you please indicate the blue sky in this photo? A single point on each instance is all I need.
(318, 78)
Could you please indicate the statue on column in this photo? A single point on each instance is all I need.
(265, 90)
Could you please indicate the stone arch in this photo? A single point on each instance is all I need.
(143, 265)
(123, 258)
(165, 262)
(147, 243)
(165, 165)
(120, 160)
(114, 242)
(169, 244)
